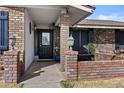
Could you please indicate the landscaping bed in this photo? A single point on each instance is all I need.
(111, 83)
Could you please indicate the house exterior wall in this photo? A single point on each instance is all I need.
(29, 41)
(104, 44)
(16, 26)
(13, 59)
(56, 41)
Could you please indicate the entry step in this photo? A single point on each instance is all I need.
(45, 60)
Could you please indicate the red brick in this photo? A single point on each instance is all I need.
(16, 27)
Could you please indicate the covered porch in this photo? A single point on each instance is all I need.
(25, 41)
(48, 31)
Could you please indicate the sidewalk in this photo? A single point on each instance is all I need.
(43, 75)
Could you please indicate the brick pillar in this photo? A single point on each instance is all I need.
(71, 65)
(10, 64)
(1, 67)
(64, 34)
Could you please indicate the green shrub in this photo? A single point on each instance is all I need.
(91, 48)
(67, 84)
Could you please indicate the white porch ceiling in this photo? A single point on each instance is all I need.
(45, 15)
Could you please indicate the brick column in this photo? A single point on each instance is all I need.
(64, 34)
(11, 59)
(71, 65)
(1, 67)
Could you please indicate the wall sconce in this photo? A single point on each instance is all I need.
(12, 41)
(70, 42)
(52, 26)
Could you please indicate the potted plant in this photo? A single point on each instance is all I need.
(57, 55)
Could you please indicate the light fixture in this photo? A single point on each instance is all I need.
(70, 42)
(12, 41)
(52, 26)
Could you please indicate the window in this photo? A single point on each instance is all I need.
(45, 38)
(3, 31)
(80, 39)
(119, 39)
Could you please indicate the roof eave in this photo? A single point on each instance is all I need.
(83, 8)
(106, 27)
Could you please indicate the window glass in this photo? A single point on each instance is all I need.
(45, 38)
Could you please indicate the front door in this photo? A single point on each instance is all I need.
(45, 50)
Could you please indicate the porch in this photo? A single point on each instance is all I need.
(17, 46)
(49, 32)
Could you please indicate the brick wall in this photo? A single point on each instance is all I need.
(104, 43)
(100, 69)
(119, 56)
(64, 34)
(56, 39)
(71, 65)
(16, 27)
(1, 68)
(13, 66)
(89, 70)
(1, 74)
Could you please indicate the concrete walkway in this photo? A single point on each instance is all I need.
(43, 75)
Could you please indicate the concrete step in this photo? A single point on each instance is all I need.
(45, 60)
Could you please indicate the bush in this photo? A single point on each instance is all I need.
(67, 84)
(91, 48)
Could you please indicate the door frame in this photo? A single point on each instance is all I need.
(51, 37)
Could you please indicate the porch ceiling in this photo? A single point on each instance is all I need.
(45, 15)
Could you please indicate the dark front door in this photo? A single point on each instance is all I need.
(45, 49)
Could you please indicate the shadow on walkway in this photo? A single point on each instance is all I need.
(35, 70)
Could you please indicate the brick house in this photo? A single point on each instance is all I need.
(28, 33)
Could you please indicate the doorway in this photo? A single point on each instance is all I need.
(45, 44)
